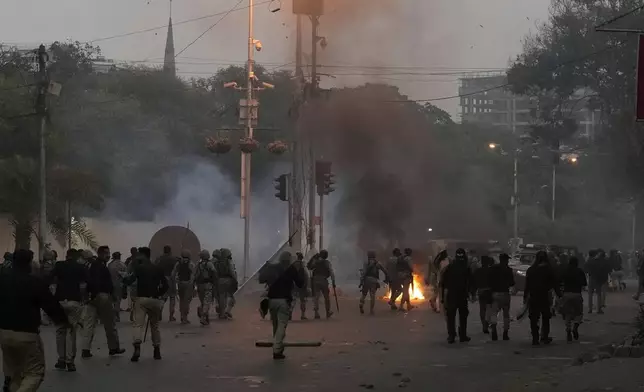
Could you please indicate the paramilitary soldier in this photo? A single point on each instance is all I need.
(300, 293)
(370, 280)
(226, 283)
(455, 291)
(205, 278)
(183, 274)
(395, 285)
(321, 271)
(167, 262)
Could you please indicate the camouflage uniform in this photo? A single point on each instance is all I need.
(183, 274)
(321, 271)
(370, 281)
(300, 293)
(226, 283)
(205, 277)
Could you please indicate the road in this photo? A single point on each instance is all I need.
(359, 352)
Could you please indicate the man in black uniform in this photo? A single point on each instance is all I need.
(540, 280)
(22, 296)
(151, 287)
(455, 290)
(68, 275)
(167, 262)
(280, 295)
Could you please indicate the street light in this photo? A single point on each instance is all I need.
(492, 146)
(430, 230)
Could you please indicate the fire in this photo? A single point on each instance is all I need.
(416, 292)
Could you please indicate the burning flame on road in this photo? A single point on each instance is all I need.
(415, 293)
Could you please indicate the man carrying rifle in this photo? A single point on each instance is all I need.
(370, 280)
(321, 271)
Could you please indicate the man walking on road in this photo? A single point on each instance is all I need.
(321, 271)
(118, 271)
(22, 296)
(69, 275)
(183, 274)
(598, 271)
(455, 291)
(227, 283)
(540, 281)
(151, 287)
(280, 293)
(370, 281)
(205, 278)
(300, 293)
(395, 285)
(501, 280)
(167, 262)
(101, 289)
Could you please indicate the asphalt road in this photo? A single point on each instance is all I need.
(388, 351)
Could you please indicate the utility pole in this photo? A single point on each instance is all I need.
(41, 109)
(515, 198)
(313, 92)
(295, 196)
(554, 186)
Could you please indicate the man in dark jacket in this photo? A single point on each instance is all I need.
(455, 290)
(540, 281)
(22, 296)
(151, 288)
(574, 280)
(501, 280)
(482, 286)
(68, 276)
(599, 270)
(167, 262)
(280, 295)
(100, 289)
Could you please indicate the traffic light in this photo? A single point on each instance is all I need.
(324, 179)
(281, 186)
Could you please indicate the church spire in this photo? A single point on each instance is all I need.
(168, 59)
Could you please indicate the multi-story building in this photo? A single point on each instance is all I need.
(486, 101)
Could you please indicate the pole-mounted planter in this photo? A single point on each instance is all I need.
(248, 145)
(277, 147)
(218, 145)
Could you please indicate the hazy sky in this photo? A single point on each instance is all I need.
(411, 38)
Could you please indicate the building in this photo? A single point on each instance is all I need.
(486, 101)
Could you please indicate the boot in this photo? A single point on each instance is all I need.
(568, 335)
(451, 339)
(317, 315)
(71, 367)
(172, 318)
(303, 317)
(495, 335)
(157, 352)
(60, 365)
(486, 329)
(506, 336)
(86, 354)
(575, 331)
(137, 352)
(117, 351)
(329, 314)
(535, 341)
(361, 309)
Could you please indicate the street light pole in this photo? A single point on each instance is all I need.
(554, 186)
(245, 160)
(515, 200)
(41, 107)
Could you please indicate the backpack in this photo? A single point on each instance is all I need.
(223, 269)
(184, 271)
(203, 273)
(372, 270)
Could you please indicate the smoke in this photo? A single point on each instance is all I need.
(396, 180)
(204, 198)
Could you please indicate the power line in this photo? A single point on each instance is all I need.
(618, 17)
(234, 8)
(175, 23)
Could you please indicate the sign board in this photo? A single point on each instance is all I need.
(639, 96)
(308, 7)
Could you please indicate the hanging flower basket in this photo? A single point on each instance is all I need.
(277, 147)
(218, 145)
(248, 145)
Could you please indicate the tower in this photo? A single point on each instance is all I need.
(168, 59)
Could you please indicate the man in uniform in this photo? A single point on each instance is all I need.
(118, 271)
(370, 280)
(540, 281)
(321, 271)
(152, 286)
(205, 278)
(101, 290)
(183, 274)
(455, 291)
(481, 284)
(129, 263)
(406, 278)
(167, 262)
(69, 275)
(22, 296)
(300, 293)
(280, 291)
(395, 285)
(501, 280)
(226, 283)
(44, 271)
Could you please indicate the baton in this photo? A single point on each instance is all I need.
(337, 306)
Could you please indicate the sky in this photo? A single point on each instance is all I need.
(401, 42)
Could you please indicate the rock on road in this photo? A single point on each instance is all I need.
(388, 351)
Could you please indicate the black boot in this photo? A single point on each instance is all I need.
(117, 351)
(71, 367)
(495, 335)
(157, 352)
(535, 340)
(60, 365)
(575, 331)
(7, 384)
(568, 335)
(86, 354)
(506, 335)
(137, 352)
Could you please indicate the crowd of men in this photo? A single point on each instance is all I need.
(81, 290)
